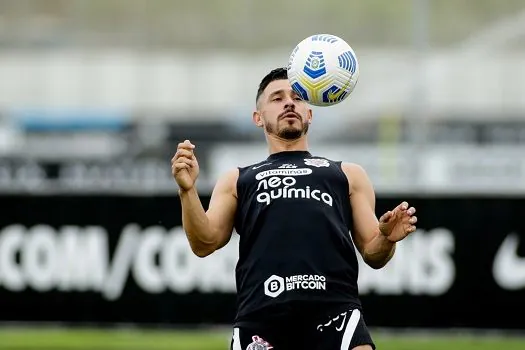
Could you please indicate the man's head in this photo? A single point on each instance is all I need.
(281, 111)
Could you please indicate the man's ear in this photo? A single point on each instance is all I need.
(310, 116)
(257, 120)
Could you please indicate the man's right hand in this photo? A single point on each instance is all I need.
(184, 166)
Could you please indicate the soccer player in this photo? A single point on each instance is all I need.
(298, 216)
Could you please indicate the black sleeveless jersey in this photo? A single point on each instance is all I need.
(293, 219)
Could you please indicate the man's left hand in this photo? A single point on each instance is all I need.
(396, 224)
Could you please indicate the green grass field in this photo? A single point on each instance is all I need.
(56, 339)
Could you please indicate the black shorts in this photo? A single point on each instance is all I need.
(335, 331)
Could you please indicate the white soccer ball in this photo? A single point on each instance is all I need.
(323, 69)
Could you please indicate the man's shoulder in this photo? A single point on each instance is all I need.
(228, 178)
(355, 173)
(352, 167)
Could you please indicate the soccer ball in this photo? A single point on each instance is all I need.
(323, 69)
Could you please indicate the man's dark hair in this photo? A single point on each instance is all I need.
(276, 74)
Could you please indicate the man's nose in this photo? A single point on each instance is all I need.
(289, 103)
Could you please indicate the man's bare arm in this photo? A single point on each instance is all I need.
(374, 247)
(210, 230)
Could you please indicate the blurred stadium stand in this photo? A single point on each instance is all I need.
(111, 79)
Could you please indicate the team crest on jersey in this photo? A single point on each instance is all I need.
(317, 162)
(259, 344)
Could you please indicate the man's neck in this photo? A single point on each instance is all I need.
(276, 145)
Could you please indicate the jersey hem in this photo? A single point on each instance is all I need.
(256, 317)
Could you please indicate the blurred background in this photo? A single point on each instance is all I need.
(96, 94)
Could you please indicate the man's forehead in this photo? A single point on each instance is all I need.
(278, 85)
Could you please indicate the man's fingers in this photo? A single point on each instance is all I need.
(183, 153)
(386, 216)
(186, 145)
(185, 161)
(398, 211)
(413, 220)
(179, 166)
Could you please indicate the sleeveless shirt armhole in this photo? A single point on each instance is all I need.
(239, 189)
(350, 219)
(238, 182)
(340, 167)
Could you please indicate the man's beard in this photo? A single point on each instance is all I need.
(288, 132)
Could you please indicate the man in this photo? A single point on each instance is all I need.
(297, 270)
